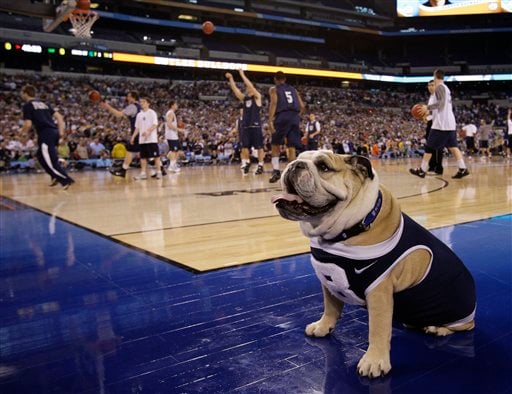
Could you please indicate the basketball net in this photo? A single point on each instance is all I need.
(82, 21)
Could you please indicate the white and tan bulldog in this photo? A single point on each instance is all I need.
(365, 251)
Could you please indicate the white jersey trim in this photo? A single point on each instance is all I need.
(384, 275)
(462, 321)
(360, 252)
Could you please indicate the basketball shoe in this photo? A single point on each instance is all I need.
(418, 172)
(118, 172)
(276, 175)
(461, 173)
(245, 169)
(140, 177)
(67, 185)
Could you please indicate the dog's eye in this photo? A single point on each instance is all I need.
(323, 167)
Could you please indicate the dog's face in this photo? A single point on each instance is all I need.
(319, 187)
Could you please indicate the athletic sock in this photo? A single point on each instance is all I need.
(275, 163)
(461, 164)
(424, 165)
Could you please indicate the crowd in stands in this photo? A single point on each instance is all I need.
(376, 123)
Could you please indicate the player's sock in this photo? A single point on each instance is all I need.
(461, 164)
(275, 163)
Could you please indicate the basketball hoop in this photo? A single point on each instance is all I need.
(82, 21)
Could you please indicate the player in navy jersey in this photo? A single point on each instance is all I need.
(251, 135)
(312, 132)
(49, 125)
(130, 112)
(286, 107)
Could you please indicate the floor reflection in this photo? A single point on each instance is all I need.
(81, 313)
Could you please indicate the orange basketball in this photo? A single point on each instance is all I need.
(419, 111)
(83, 4)
(94, 96)
(208, 27)
(304, 140)
(181, 125)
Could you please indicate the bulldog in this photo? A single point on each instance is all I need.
(366, 252)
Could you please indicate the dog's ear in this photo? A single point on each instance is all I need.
(362, 164)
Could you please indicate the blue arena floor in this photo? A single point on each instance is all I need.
(81, 313)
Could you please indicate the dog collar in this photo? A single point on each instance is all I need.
(360, 227)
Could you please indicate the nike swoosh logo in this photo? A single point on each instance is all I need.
(365, 268)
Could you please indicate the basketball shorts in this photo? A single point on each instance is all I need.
(470, 142)
(147, 151)
(251, 137)
(483, 144)
(439, 139)
(174, 145)
(133, 148)
(510, 140)
(287, 126)
(312, 144)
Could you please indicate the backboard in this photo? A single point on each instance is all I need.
(53, 13)
(61, 14)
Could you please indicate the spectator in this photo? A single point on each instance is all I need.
(96, 148)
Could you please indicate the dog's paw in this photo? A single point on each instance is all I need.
(319, 329)
(439, 331)
(373, 364)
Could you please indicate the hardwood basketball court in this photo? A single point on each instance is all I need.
(210, 217)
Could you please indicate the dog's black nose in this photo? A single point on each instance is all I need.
(300, 165)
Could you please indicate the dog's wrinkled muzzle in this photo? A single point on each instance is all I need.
(291, 204)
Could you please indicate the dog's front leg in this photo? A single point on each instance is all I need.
(375, 361)
(332, 312)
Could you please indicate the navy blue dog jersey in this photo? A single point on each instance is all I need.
(444, 296)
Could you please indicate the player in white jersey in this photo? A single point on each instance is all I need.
(435, 164)
(443, 133)
(172, 136)
(146, 125)
(470, 131)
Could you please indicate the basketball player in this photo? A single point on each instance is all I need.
(146, 125)
(251, 135)
(443, 132)
(49, 125)
(470, 131)
(172, 136)
(483, 135)
(130, 112)
(435, 164)
(313, 129)
(285, 109)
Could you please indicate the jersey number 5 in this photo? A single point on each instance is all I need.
(289, 96)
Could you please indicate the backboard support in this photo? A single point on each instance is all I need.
(62, 13)
(52, 12)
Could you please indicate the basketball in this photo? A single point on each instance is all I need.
(419, 111)
(181, 125)
(208, 27)
(94, 96)
(83, 4)
(304, 140)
